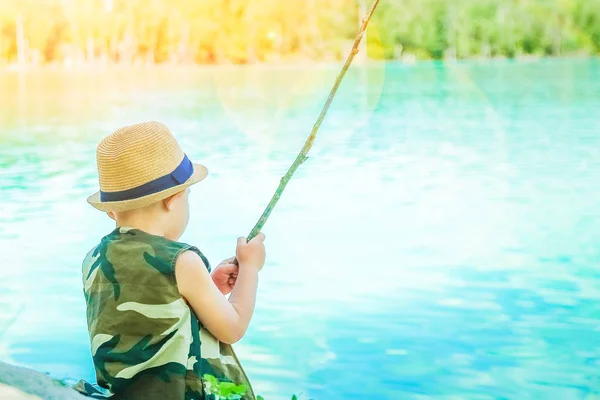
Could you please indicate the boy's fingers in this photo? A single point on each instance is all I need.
(229, 268)
(259, 238)
(241, 241)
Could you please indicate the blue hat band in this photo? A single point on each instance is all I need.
(179, 176)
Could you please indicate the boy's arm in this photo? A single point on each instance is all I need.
(227, 320)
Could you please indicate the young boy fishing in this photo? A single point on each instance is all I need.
(158, 319)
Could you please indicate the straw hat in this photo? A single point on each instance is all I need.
(139, 165)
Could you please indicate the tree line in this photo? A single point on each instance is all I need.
(249, 31)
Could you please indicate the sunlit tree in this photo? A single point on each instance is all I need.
(242, 31)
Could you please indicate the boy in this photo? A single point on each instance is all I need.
(158, 321)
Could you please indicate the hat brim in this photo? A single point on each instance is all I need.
(200, 172)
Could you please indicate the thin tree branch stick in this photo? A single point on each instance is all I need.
(311, 138)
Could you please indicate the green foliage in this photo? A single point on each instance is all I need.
(242, 31)
(491, 28)
(227, 390)
(224, 390)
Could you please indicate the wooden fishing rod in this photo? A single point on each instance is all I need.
(302, 156)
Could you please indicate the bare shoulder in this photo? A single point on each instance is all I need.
(190, 271)
(190, 259)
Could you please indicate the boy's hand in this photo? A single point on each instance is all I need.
(251, 254)
(225, 275)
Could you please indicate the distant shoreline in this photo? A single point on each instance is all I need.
(279, 64)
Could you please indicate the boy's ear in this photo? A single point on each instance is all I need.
(170, 201)
(111, 214)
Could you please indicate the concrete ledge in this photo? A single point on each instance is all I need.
(17, 383)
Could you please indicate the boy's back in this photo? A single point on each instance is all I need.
(146, 342)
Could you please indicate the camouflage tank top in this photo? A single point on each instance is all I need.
(146, 341)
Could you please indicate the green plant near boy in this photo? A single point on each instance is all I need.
(227, 390)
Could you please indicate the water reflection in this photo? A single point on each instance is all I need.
(441, 241)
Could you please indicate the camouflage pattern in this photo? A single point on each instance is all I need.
(146, 342)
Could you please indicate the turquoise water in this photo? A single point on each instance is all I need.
(441, 242)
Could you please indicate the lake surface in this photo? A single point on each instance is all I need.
(442, 242)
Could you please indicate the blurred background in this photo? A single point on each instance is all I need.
(132, 32)
(441, 242)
